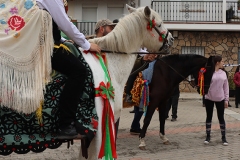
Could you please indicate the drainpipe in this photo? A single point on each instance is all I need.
(224, 11)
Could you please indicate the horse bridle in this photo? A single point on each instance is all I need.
(165, 40)
(192, 85)
(153, 25)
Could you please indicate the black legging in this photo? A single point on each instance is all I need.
(220, 113)
(66, 63)
(237, 96)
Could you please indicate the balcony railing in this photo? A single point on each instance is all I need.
(196, 11)
(185, 12)
(87, 28)
(233, 12)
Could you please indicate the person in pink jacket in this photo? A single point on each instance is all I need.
(218, 94)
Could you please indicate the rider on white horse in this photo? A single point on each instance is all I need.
(68, 64)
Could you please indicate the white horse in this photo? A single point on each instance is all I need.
(129, 35)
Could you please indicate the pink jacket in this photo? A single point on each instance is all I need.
(236, 79)
(219, 89)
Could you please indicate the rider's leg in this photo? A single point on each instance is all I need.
(68, 64)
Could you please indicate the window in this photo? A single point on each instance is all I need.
(193, 50)
(89, 14)
(115, 12)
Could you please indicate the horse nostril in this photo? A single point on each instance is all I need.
(172, 39)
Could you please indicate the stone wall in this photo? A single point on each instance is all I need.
(225, 44)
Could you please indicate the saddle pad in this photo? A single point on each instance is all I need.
(21, 133)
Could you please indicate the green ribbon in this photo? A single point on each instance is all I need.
(110, 91)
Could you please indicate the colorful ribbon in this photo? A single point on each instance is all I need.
(201, 80)
(145, 96)
(106, 91)
(151, 24)
(108, 147)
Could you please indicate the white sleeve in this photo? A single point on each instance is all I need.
(144, 50)
(57, 11)
(62, 39)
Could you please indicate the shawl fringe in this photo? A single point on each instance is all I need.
(23, 83)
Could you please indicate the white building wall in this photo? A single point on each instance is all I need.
(75, 11)
(143, 3)
(76, 8)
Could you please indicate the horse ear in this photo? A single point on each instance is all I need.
(130, 9)
(147, 12)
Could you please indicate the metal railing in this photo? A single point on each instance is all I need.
(233, 12)
(87, 28)
(184, 12)
(195, 11)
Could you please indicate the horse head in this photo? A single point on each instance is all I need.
(143, 27)
(156, 35)
(207, 70)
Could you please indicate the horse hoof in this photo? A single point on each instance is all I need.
(142, 147)
(166, 143)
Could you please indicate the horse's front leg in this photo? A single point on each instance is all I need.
(146, 122)
(162, 118)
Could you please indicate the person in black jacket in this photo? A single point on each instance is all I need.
(135, 126)
(173, 102)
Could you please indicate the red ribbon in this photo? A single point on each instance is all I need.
(151, 24)
(103, 55)
(106, 92)
(88, 51)
(201, 80)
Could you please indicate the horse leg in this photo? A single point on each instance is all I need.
(146, 122)
(162, 117)
(116, 127)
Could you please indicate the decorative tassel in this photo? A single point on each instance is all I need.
(160, 39)
(106, 91)
(151, 24)
(145, 96)
(62, 46)
(39, 113)
(201, 80)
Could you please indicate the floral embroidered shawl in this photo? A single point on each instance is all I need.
(26, 45)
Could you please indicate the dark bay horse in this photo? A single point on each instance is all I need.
(168, 72)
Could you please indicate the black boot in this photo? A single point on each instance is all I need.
(133, 111)
(67, 132)
(224, 141)
(207, 139)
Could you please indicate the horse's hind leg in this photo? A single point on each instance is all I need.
(162, 117)
(146, 122)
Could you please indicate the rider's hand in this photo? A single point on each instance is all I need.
(149, 57)
(95, 47)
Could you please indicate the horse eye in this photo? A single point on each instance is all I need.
(159, 25)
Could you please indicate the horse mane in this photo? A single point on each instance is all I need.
(181, 56)
(131, 24)
(190, 63)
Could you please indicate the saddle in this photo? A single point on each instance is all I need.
(135, 92)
